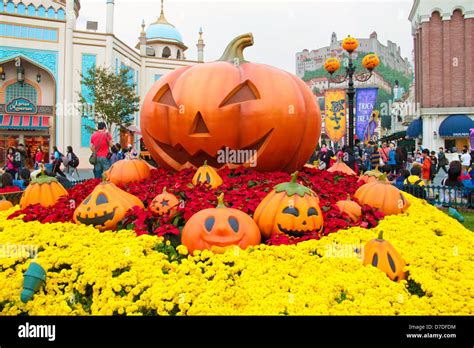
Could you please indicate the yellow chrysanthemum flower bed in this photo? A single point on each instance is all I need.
(89, 272)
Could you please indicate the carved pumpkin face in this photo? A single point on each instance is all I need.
(382, 196)
(381, 254)
(165, 203)
(218, 228)
(128, 170)
(332, 65)
(290, 209)
(350, 44)
(105, 207)
(207, 174)
(44, 190)
(195, 113)
(370, 61)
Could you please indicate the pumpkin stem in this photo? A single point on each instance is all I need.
(293, 177)
(233, 53)
(383, 177)
(164, 190)
(220, 201)
(380, 236)
(205, 163)
(104, 178)
(348, 197)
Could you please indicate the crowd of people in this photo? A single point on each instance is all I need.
(409, 170)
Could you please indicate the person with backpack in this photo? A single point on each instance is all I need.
(442, 161)
(72, 160)
(414, 184)
(426, 167)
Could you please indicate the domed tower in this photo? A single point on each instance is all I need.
(164, 40)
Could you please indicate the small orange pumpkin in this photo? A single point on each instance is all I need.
(128, 170)
(165, 203)
(5, 204)
(350, 44)
(370, 61)
(351, 208)
(340, 166)
(44, 190)
(381, 254)
(371, 175)
(291, 209)
(105, 207)
(383, 196)
(207, 174)
(218, 228)
(332, 65)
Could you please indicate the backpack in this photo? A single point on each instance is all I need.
(432, 170)
(74, 161)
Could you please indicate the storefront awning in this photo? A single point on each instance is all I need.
(415, 129)
(23, 122)
(456, 126)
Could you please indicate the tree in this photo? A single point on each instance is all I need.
(108, 97)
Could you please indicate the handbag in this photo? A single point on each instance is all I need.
(93, 156)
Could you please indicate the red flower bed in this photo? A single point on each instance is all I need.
(243, 188)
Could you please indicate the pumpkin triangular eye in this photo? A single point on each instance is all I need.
(243, 92)
(164, 96)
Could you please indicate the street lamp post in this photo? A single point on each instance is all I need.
(331, 65)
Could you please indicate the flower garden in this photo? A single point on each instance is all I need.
(143, 269)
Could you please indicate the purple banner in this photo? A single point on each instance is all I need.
(472, 137)
(365, 101)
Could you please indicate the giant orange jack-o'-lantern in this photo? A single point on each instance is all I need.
(195, 113)
(290, 209)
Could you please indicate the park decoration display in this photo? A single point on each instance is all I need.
(33, 279)
(44, 190)
(350, 44)
(381, 254)
(218, 228)
(351, 208)
(105, 207)
(340, 166)
(332, 65)
(237, 105)
(5, 204)
(165, 203)
(290, 209)
(128, 170)
(371, 175)
(207, 174)
(370, 61)
(383, 196)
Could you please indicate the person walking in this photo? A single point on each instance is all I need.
(384, 151)
(72, 161)
(101, 142)
(442, 161)
(465, 159)
(38, 157)
(426, 167)
(57, 160)
(392, 159)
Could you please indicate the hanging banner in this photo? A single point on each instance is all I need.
(335, 107)
(370, 132)
(471, 137)
(365, 101)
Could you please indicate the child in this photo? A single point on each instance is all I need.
(414, 182)
(6, 182)
(24, 180)
(399, 181)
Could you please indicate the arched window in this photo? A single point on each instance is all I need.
(178, 55)
(61, 14)
(31, 10)
(166, 52)
(10, 7)
(51, 13)
(41, 11)
(2, 7)
(16, 90)
(20, 9)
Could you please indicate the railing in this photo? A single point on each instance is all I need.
(442, 195)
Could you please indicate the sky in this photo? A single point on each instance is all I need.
(280, 28)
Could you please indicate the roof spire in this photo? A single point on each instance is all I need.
(162, 19)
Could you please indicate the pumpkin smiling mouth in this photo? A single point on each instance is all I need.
(294, 233)
(211, 242)
(96, 219)
(180, 155)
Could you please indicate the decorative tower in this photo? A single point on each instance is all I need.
(109, 26)
(200, 46)
(333, 38)
(142, 40)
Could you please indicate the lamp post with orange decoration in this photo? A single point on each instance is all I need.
(370, 62)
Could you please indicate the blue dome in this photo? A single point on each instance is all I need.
(163, 31)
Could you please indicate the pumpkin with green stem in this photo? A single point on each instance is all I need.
(290, 209)
(44, 190)
(207, 174)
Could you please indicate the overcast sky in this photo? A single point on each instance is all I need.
(280, 28)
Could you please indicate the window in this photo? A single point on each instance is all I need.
(16, 90)
(61, 14)
(178, 55)
(51, 13)
(31, 10)
(41, 11)
(166, 52)
(20, 9)
(10, 7)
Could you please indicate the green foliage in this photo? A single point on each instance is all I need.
(110, 96)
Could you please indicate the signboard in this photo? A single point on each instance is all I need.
(335, 107)
(21, 106)
(365, 101)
